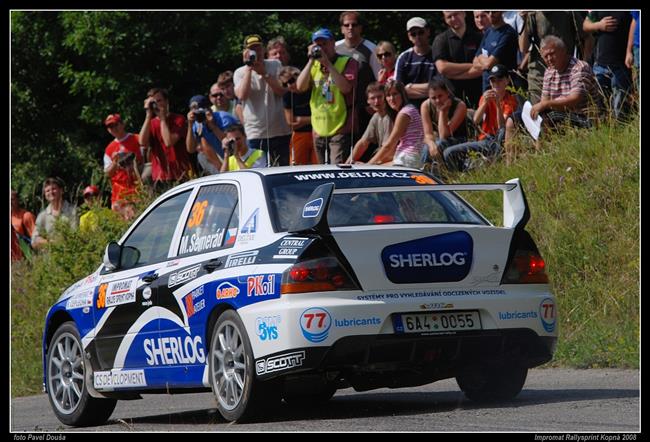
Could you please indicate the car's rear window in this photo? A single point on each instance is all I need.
(288, 193)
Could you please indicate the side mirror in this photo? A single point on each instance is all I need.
(112, 256)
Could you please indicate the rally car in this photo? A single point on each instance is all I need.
(289, 283)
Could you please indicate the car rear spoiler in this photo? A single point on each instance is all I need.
(515, 206)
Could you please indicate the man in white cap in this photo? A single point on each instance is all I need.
(414, 67)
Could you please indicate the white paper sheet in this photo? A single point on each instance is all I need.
(533, 126)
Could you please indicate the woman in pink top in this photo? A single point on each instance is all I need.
(404, 146)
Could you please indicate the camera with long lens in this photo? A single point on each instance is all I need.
(199, 115)
(124, 159)
(316, 52)
(251, 59)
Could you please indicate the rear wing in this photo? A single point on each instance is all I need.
(515, 206)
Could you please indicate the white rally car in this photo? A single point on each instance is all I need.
(292, 282)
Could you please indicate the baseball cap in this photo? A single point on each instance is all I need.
(252, 40)
(499, 71)
(322, 33)
(112, 119)
(91, 190)
(201, 100)
(416, 22)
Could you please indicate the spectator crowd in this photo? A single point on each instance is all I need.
(437, 105)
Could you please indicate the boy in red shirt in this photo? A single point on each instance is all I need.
(122, 159)
(495, 108)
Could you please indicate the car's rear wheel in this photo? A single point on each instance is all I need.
(66, 382)
(232, 371)
(492, 383)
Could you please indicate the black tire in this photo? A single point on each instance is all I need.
(66, 382)
(239, 394)
(491, 384)
(296, 399)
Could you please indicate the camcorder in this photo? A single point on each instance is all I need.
(125, 159)
(316, 52)
(153, 106)
(251, 58)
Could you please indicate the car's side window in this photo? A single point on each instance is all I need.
(153, 236)
(208, 226)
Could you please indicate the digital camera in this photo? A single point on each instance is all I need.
(199, 114)
(229, 147)
(124, 159)
(316, 52)
(153, 106)
(251, 58)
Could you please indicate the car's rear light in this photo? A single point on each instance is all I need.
(316, 275)
(526, 267)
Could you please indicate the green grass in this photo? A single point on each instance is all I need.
(583, 193)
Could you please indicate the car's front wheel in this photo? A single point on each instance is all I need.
(492, 383)
(232, 371)
(66, 382)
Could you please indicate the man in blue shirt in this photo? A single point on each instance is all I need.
(499, 46)
(206, 133)
(414, 67)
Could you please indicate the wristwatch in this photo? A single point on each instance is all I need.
(266, 76)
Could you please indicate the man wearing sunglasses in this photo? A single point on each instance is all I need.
(414, 67)
(363, 51)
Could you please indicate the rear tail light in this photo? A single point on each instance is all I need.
(526, 267)
(316, 275)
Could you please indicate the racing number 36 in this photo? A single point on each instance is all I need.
(198, 212)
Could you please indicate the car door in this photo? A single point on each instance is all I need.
(126, 300)
(186, 293)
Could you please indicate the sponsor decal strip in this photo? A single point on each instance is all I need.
(103, 380)
(279, 363)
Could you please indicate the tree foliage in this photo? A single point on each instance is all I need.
(69, 69)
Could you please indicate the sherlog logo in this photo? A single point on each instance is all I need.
(439, 258)
(312, 208)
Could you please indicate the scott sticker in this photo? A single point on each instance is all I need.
(315, 324)
(277, 363)
(439, 258)
(312, 208)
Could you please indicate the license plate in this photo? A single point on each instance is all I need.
(437, 322)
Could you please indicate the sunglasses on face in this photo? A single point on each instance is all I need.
(291, 80)
(218, 94)
(385, 54)
(350, 25)
(416, 33)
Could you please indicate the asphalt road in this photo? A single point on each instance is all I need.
(552, 400)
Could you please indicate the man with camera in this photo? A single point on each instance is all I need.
(206, 132)
(260, 91)
(331, 78)
(237, 154)
(164, 132)
(122, 162)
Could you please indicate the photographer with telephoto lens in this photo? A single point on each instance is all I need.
(205, 133)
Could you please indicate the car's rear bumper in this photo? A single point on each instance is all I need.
(373, 361)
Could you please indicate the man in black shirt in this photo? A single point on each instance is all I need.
(612, 28)
(453, 53)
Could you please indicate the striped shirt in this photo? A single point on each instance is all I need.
(577, 78)
(411, 142)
